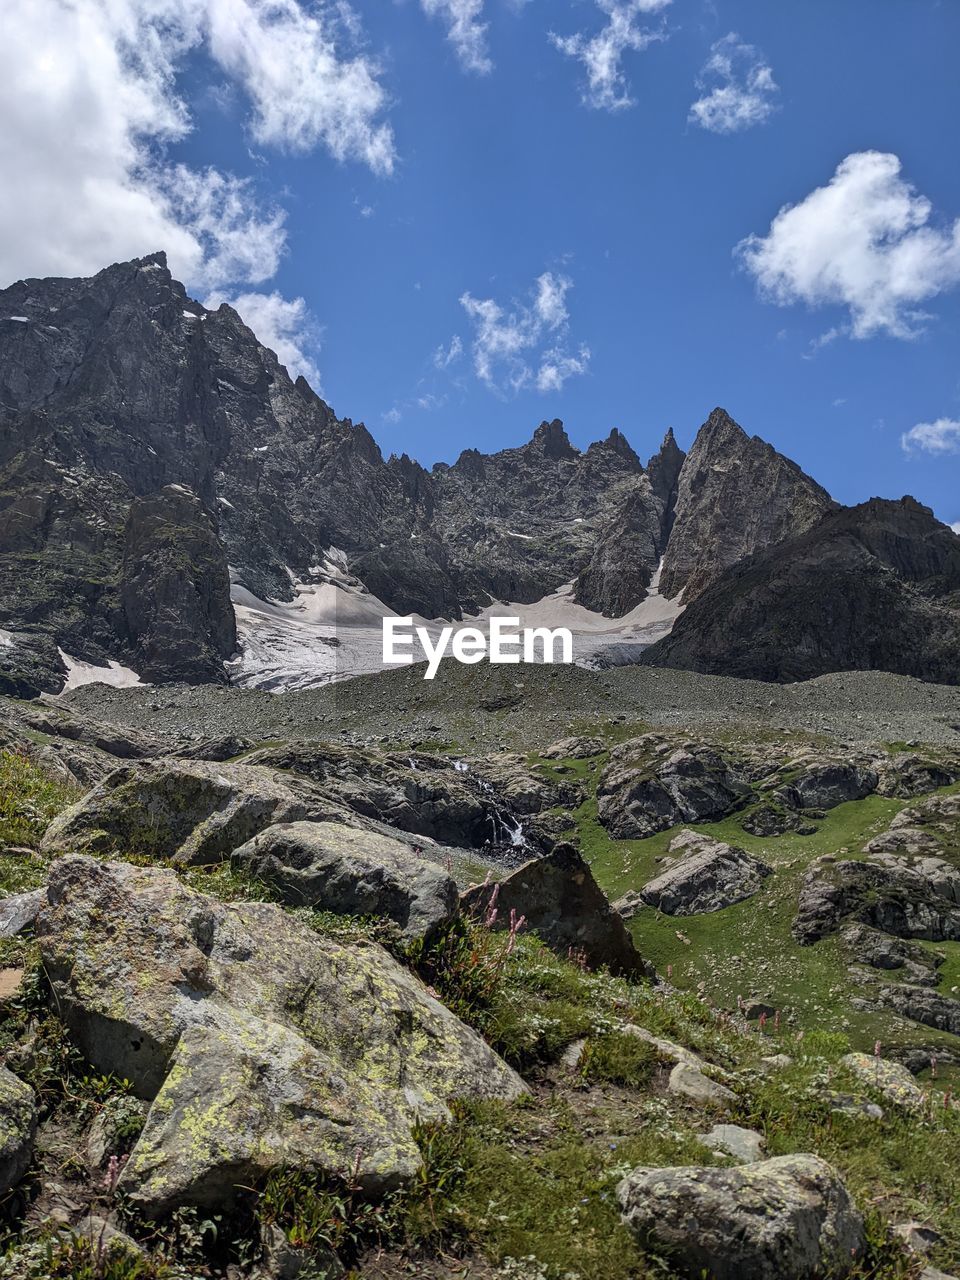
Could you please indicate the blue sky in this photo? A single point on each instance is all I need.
(479, 239)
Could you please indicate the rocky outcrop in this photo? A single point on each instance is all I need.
(850, 594)
(258, 1041)
(925, 1006)
(824, 786)
(736, 496)
(707, 876)
(920, 900)
(192, 811)
(351, 872)
(175, 589)
(18, 1125)
(786, 1217)
(563, 904)
(640, 793)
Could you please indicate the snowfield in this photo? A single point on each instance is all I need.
(332, 629)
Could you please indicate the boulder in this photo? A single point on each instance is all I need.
(891, 1079)
(192, 811)
(789, 1218)
(881, 951)
(351, 872)
(827, 784)
(908, 774)
(257, 1041)
(18, 1126)
(637, 796)
(686, 1081)
(565, 907)
(743, 1145)
(708, 876)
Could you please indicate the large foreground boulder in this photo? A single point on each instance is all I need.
(352, 872)
(563, 905)
(641, 793)
(18, 1125)
(789, 1218)
(707, 876)
(258, 1041)
(192, 811)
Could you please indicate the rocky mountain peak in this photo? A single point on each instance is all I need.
(552, 440)
(735, 495)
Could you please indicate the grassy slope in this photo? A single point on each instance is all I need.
(530, 1187)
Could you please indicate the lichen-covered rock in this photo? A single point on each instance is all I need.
(892, 1079)
(18, 1125)
(563, 905)
(708, 876)
(259, 1041)
(789, 1218)
(192, 811)
(576, 748)
(352, 872)
(639, 795)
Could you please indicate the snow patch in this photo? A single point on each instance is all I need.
(7, 639)
(20, 319)
(79, 673)
(332, 628)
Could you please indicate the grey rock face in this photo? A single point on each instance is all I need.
(240, 1023)
(850, 594)
(687, 1081)
(637, 796)
(707, 876)
(175, 589)
(736, 495)
(626, 555)
(18, 1125)
(789, 1218)
(352, 872)
(564, 906)
(193, 811)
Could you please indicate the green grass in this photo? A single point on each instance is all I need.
(29, 799)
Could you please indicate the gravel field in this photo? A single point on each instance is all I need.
(482, 707)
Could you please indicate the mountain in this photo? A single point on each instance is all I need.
(161, 476)
(872, 587)
(735, 495)
(146, 443)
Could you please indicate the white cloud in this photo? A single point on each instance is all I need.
(738, 88)
(89, 99)
(282, 324)
(444, 357)
(524, 346)
(942, 436)
(465, 31)
(864, 241)
(602, 54)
